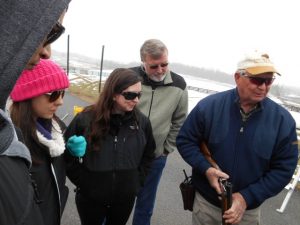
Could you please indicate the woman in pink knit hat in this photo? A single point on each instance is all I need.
(36, 96)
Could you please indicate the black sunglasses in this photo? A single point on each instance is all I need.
(54, 34)
(53, 96)
(128, 95)
(259, 80)
(153, 67)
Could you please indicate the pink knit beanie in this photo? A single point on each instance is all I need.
(45, 77)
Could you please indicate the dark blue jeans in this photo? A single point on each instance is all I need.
(146, 197)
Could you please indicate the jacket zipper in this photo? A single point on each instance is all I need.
(241, 132)
(151, 103)
(114, 166)
(57, 187)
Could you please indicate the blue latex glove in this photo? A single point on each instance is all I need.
(76, 145)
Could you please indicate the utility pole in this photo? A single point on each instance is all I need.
(101, 68)
(68, 54)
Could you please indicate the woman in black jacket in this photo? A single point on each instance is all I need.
(120, 148)
(36, 96)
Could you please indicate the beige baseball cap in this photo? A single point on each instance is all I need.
(257, 63)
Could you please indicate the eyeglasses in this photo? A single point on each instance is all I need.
(259, 80)
(128, 95)
(54, 34)
(53, 96)
(153, 67)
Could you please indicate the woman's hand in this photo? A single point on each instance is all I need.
(77, 145)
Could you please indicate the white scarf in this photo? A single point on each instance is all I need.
(56, 146)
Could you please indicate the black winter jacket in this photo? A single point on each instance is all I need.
(118, 169)
(17, 199)
(17, 204)
(49, 175)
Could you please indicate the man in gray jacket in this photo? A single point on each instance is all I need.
(27, 27)
(165, 102)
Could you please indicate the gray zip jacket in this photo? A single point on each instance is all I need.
(165, 104)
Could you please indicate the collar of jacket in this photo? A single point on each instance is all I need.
(118, 119)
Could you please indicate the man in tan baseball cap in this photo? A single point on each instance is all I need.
(251, 138)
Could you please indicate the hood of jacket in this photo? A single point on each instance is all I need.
(9, 145)
(23, 25)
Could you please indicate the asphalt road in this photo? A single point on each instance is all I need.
(169, 209)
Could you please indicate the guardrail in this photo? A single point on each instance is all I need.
(202, 90)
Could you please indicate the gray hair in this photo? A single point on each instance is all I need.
(154, 48)
(242, 72)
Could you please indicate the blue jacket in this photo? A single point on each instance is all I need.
(259, 155)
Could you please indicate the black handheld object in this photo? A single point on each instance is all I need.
(188, 192)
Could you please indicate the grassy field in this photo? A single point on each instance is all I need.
(85, 89)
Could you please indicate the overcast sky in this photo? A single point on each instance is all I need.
(213, 34)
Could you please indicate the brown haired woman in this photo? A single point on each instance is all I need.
(36, 97)
(120, 147)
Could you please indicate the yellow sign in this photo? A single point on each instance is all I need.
(77, 109)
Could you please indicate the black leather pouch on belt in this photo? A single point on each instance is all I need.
(188, 192)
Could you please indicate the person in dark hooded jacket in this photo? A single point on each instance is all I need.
(27, 30)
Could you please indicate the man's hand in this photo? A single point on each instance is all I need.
(213, 175)
(235, 214)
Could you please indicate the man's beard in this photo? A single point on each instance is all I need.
(157, 79)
